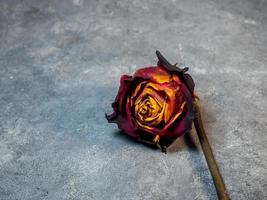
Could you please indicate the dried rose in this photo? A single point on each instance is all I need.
(156, 103)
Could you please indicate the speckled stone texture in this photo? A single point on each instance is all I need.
(60, 63)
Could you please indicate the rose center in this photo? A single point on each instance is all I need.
(148, 111)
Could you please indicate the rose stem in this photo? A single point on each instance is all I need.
(213, 167)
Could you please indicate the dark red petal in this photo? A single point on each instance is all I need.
(117, 104)
(125, 84)
(189, 83)
(126, 125)
(183, 124)
(125, 120)
(121, 115)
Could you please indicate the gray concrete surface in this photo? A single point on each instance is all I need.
(60, 63)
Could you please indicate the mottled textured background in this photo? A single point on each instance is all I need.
(60, 63)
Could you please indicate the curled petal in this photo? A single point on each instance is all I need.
(164, 63)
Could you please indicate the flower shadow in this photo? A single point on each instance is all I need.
(188, 141)
(123, 136)
(200, 169)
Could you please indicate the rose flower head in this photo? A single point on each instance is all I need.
(155, 104)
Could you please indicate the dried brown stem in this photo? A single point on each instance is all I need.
(213, 167)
